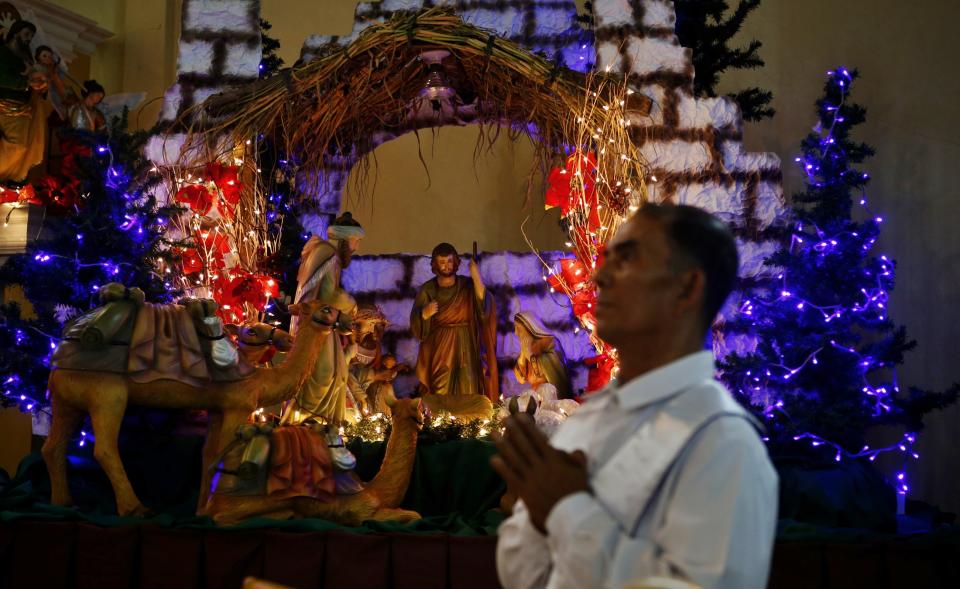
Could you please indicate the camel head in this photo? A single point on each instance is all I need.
(254, 334)
(321, 316)
(406, 411)
(258, 342)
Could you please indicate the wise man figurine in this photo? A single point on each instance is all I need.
(324, 394)
(454, 317)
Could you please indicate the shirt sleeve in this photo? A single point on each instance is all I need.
(716, 529)
(523, 557)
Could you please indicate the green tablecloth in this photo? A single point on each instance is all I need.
(452, 486)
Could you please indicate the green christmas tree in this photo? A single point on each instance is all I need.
(708, 27)
(103, 225)
(818, 351)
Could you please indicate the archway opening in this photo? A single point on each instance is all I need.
(429, 187)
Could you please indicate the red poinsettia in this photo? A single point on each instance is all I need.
(214, 242)
(192, 263)
(601, 367)
(574, 273)
(7, 195)
(245, 288)
(270, 286)
(227, 179)
(563, 186)
(197, 197)
(59, 195)
(584, 301)
(558, 191)
(601, 255)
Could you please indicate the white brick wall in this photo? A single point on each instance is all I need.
(218, 15)
(514, 279)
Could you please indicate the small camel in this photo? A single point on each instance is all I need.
(105, 396)
(377, 501)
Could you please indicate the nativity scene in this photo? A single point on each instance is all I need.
(256, 335)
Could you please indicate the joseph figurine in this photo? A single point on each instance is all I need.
(453, 316)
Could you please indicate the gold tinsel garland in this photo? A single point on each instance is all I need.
(441, 428)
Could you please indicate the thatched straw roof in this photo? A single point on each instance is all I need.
(334, 107)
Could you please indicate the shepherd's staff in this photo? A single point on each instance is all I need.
(488, 334)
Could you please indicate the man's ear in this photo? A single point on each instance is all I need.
(693, 284)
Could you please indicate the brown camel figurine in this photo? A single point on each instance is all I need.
(105, 396)
(257, 341)
(377, 501)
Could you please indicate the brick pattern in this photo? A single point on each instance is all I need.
(219, 47)
(694, 146)
(515, 280)
(547, 26)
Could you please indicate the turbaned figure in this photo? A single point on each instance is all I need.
(324, 394)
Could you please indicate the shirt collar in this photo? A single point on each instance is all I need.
(665, 381)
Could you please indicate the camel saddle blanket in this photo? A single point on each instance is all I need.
(300, 465)
(147, 343)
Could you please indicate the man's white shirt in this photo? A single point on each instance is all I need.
(682, 486)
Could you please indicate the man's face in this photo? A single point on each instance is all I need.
(637, 286)
(354, 244)
(446, 266)
(24, 38)
(346, 249)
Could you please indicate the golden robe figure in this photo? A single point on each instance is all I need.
(452, 316)
(324, 394)
(23, 108)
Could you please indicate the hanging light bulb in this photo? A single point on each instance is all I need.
(436, 86)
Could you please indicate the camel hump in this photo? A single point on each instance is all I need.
(169, 343)
(97, 340)
(150, 342)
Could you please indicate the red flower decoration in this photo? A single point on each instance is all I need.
(7, 195)
(270, 286)
(558, 191)
(584, 301)
(574, 273)
(197, 197)
(601, 254)
(214, 242)
(562, 186)
(600, 369)
(29, 194)
(192, 263)
(227, 179)
(245, 288)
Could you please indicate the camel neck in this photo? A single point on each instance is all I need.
(403, 438)
(282, 382)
